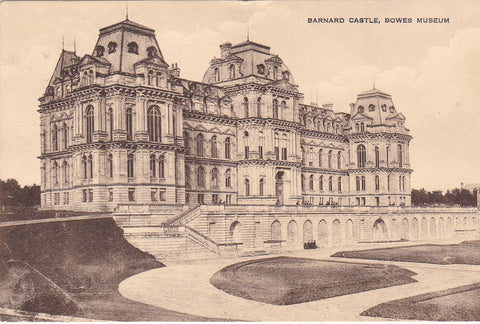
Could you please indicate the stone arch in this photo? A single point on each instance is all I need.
(415, 229)
(441, 228)
(404, 230)
(322, 233)
(349, 234)
(292, 229)
(433, 228)
(424, 228)
(379, 230)
(336, 233)
(236, 232)
(307, 231)
(276, 231)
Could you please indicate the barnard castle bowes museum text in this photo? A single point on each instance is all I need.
(376, 20)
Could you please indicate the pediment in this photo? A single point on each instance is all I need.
(360, 116)
(154, 60)
(399, 116)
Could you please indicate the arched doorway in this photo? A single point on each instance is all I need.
(322, 233)
(349, 238)
(292, 234)
(336, 233)
(276, 231)
(379, 230)
(307, 231)
(441, 228)
(415, 229)
(433, 228)
(404, 229)
(279, 187)
(236, 232)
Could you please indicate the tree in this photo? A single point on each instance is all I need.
(11, 194)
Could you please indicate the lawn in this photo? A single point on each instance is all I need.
(456, 304)
(467, 252)
(287, 280)
(87, 259)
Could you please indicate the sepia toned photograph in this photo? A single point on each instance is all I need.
(262, 161)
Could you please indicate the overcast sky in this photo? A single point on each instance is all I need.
(431, 70)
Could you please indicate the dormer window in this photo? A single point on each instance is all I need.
(361, 109)
(371, 108)
(151, 51)
(261, 69)
(132, 48)
(217, 74)
(99, 51)
(232, 71)
(392, 109)
(275, 72)
(286, 75)
(112, 47)
(384, 107)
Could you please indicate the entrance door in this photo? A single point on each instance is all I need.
(279, 187)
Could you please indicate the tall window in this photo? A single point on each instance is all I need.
(276, 147)
(284, 147)
(245, 107)
(84, 167)
(187, 177)
(302, 180)
(200, 142)
(261, 141)
(65, 172)
(130, 171)
(232, 71)
(154, 124)
(259, 107)
(227, 148)
(388, 182)
(362, 127)
(388, 156)
(153, 166)
(228, 178)
(65, 135)
(357, 182)
(261, 187)
(377, 157)
(89, 115)
(320, 158)
(90, 166)
(214, 177)
(217, 75)
(110, 123)
(377, 183)
(310, 182)
(129, 121)
(132, 48)
(161, 166)
(400, 183)
(55, 173)
(400, 155)
(54, 138)
(339, 160)
(339, 184)
(200, 177)
(330, 153)
(186, 140)
(110, 165)
(361, 156)
(247, 148)
(330, 183)
(320, 183)
(364, 185)
(275, 108)
(247, 187)
(213, 147)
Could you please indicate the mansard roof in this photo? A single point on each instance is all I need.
(127, 25)
(66, 59)
(374, 92)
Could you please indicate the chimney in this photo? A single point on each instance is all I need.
(225, 49)
(175, 70)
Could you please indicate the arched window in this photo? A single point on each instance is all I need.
(339, 160)
(110, 165)
(200, 142)
(361, 109)
(151, 51)
(275, 108)
(129, 122)
(232, 71)
(214, 177)
(320, 183)
(275, 72)
(302, 180)
(90, 166)
(377, 183)
(247, 187)
(377, 157)
(330, 183)
(400, 155)
(303, 155)
(89, 116)
(84, 167)
(65, 135)
(132, 48)
(320, 158)
(228, 178)
(186, 140)
(187, 177)
(276, 146)
(245, 107)
(161, 166)
(361, 156)
(130, 169)
(357, 181)
(54, 138)
(90, 77)
(403, 183)
(371, 108)
(388, 156)
(65, 171)
(247, 148)
(261, 187)
(261, 142)
(310, 157)
(213, 147)
(310, 182)
(55, 173)
(153, 166)
(150, 77)
(227, 148)
(110, 123)
(99, 50)
(357, 127)
(201, 177)
(339, 184)
(259, 107)
(112, 47)
(284, 147)
(337, 129)
(284, 108)
(154, 124)
(330, 154)
(388, 182)
(364, 185)
(217, 74)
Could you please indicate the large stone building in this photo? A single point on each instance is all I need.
(122, 132)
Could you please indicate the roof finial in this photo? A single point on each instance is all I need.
(126, 10)
(63, 44)
(248, 33)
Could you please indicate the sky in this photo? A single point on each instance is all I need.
(432, 71)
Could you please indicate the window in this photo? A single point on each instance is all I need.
(110, 123)
(65, 171)
(214, 177)
(377, 157)
(400, 183)
(259, 107)
(151, 51)
(130, 171)
(131, 194)
(361, 109)
(187, 177)
(361, 156)
(330, 183)
(247, 187)
(161, 166)
(284, 107)
(377, 183)
(112, 47)
(362, 127)
(200, 177)
(310, 182)
(286, 75)
(89, 116)
(162, 194)
(377, 201)
(153, 194)
(357, 181)
(261, 69)
(303, 156)
(200, 141)
(245, 107)
(215, 202)
(99, 50)
(232, 71)
(400, 155)
(330, 153)
(129, 121)
(302, 179)
(201, 199)
(227, 148)
(90, 195)
(54, 138)
(261, 140)
(277, 146)
(228, 178)
(388, 156)
(66, 198)
(388, 182)
(186, 140)
(384, 107)
(84, 167)
(217, 75)
(339, 184)
(247, 148)
(213, 147)
(320, 158)
(84, 195)
(90, 166)
(310, 157)
(153, 166)
(371, 108)
(132, 48)
(110, 165)
(55, 173)
(275, 108)
(339, 160)
(320, 183)
(110, 194)
(150, 77)
(154, 124)
(392, 109)
(363, 183)
(261, 187)
(65, 136)
(403, 183)
(275, 72)
(284, 147)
